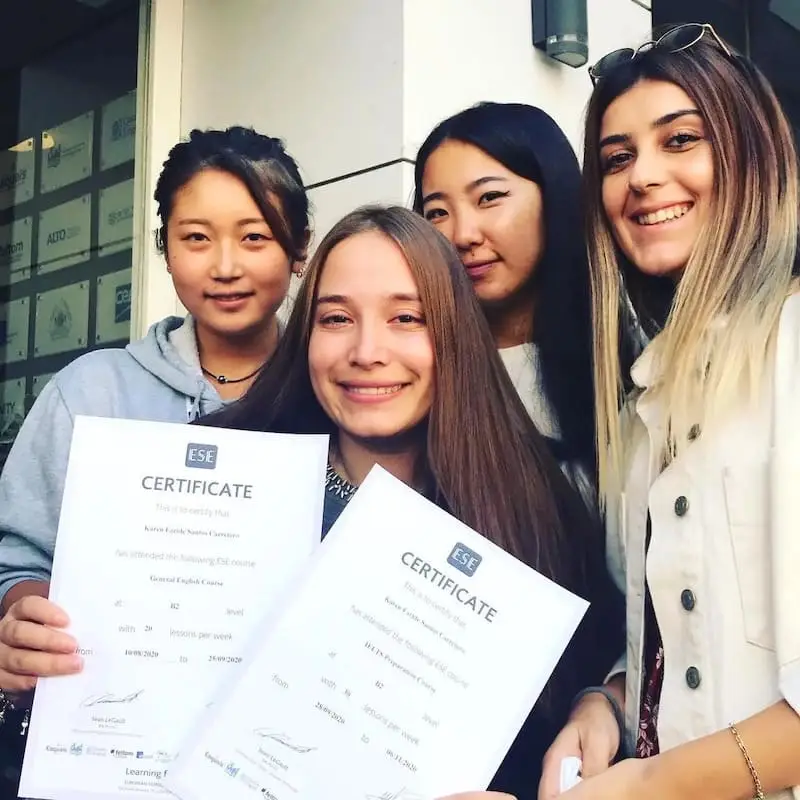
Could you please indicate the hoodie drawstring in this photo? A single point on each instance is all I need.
(193, 404)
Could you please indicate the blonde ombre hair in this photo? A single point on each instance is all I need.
(713, 333)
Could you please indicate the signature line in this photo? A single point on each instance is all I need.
(282, 738)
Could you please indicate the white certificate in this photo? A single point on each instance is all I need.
(172, 543)
(402, 665)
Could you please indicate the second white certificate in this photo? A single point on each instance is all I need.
(401, 666)
(173, 542)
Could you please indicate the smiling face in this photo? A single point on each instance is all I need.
(658, 176)
(370, 355)
(228, 270)
(493, 216)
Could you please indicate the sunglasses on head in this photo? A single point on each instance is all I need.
(681, 37)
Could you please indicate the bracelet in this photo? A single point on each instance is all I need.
(759, 795)
(615, 707)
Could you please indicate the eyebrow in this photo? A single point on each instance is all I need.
(241, 222)
(470, 186)
(623, 138)
(343, 299)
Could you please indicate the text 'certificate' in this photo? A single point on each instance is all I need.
(402, 665)
(174, 540)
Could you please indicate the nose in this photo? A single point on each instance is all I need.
(467, 234)
(369, 345)
(649, 170)
(226, 265)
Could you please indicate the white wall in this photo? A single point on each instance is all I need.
(354, 86)
(458, 53)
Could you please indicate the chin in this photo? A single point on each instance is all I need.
(661, 265)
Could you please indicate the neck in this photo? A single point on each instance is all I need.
(354, 458)
(235, 357)
(512, 322)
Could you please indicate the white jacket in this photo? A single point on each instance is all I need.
(724, 560)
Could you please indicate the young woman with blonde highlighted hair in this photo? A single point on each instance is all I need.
(691, 179)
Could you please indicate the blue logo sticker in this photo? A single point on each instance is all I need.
(464, 559)
(201, 456)
(122, 303)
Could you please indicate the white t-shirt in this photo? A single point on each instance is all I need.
(523, 367)
(522, 362)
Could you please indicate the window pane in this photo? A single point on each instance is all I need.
(67, 123)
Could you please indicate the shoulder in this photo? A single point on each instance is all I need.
(103, 382)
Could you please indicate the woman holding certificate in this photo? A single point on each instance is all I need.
(388, 352)
(692, 184)
(234, 226)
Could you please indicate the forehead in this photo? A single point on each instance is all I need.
(459, 162)
(636, 110)
(368, 263)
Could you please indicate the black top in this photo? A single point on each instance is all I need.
(596, 645)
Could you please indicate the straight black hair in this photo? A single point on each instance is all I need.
(527, 141)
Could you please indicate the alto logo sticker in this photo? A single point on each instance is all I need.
(464, 559)
(201, 456)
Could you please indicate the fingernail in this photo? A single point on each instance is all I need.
(76, 663)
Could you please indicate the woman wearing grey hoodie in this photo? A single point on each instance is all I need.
(234, 226)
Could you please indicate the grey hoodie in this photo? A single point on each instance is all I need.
(156, 378)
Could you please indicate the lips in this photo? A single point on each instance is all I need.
(231, 297)
(476, 269)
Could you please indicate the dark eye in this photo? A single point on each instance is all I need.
(333, 320)
(490, 197)
(195, 236)
(408, 318)
(681, 140)
(616, 161)
(435, 213)
(255, 237)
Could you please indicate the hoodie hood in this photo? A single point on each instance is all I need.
(169, 352)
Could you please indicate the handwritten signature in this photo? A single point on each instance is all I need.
(282, 738)
(110, 699)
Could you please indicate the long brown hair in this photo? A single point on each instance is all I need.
(741, 266)
(490, 467)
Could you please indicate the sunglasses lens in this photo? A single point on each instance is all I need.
(611, 61)
(682, 37)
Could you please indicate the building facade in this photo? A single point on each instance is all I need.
(93, 93)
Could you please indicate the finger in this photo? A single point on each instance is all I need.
(565, 746)
(597, 755)
(32, 663)
(24, 635)
(16, 683)
(550, 783)
(39, 609)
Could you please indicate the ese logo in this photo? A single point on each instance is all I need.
(201, 456)
(464, 559)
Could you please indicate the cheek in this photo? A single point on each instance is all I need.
(613, 200)
(269, 268)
